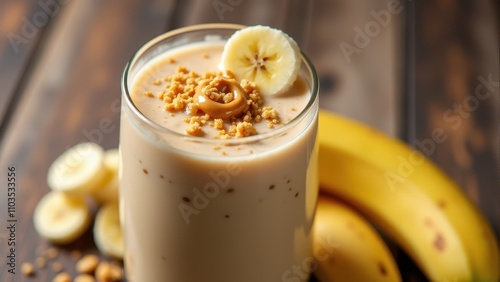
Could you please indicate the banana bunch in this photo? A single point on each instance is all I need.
(408, 198)
(63, 214)
(395, 187)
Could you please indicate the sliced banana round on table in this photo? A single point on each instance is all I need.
(108, 235)
(60, 218)
(264, 55)
(108, 190)
(78, 170)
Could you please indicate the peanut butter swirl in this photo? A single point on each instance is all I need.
(233, 103)
(215, 99)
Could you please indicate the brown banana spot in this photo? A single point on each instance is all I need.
(442, 204)
(221, 110)
(439, 242)
(382, 268)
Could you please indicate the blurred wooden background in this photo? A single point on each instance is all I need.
(61, 62)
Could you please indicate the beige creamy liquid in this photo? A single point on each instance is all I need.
(193, 214)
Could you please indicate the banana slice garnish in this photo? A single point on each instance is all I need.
(108, 190)
(108, 235)
(78, 170)
(264, 55)
(60, 218)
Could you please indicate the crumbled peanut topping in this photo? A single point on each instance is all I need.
(218, 124)
(178, 97)
(244, 129)
(194, 129)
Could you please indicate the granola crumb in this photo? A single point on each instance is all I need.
(108, 272)
(62, 277)
(181, 86)
(218, 123)
(40, 262)
(84, 278)
(221, 134)
(149, 94)
(28, 269)
(192, 109)
(160, 94)
(194, 129)
(157, 82)
(270, 113)
(87, 264)
(245, 129)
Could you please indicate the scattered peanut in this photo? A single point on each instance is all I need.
(87, 264)
(28, 269)
(84, 278)
(108, 272)
(62, 277)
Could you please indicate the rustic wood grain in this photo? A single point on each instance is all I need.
(67, 79)
(20, 33)
(365, 85)
(74, 87)
(456, 49)
(294, 17)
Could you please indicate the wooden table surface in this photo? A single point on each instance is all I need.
(61, 62)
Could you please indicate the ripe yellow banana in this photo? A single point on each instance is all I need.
(409, 198)
(347, 247)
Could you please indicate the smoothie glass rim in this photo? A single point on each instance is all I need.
(212, 27)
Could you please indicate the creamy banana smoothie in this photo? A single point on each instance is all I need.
(218, 157)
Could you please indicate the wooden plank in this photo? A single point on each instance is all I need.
(73, 89)
(22, 23)
(455, 114)
(365, 84)
(448, 48)
(282, 14)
